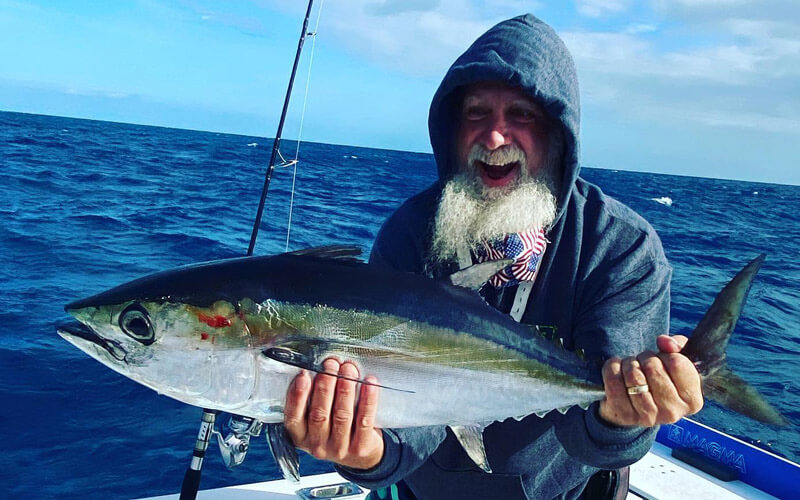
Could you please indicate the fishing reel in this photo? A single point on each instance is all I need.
(235, 445)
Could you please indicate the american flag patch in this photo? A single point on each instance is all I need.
(526, 248)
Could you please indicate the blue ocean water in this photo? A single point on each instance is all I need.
(85, 205)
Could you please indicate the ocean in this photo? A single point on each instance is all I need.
(85, 205)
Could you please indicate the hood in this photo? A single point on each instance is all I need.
(524, 52)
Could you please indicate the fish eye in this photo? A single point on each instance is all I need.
(135, 322)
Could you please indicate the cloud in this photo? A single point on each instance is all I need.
(640, 28)
(413, 37)
(698, 12)
(96, 92)
(737, 73)
(601, 8)
(216, 12)
(710, 62)
(391, 7)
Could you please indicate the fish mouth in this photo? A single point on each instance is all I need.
(83, 337)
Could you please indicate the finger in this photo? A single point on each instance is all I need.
(670, 344)
(320, 411)
(344, 404)
(686, 380)
(364, 428)
(643, 402)
(617, 407)
(670, 407)
(294, 412)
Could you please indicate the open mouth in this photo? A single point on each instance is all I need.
(497, 175)
(74, 330)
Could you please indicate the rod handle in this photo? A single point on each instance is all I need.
(191, 483)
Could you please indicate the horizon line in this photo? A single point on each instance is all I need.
(583, 165)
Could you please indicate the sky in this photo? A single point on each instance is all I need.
(706, 88)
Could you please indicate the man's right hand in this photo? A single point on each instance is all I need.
(322, 417)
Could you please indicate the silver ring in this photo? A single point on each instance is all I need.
(639, 389)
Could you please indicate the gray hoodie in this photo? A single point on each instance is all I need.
(603, 284)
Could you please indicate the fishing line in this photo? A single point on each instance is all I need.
(191, 480)
(302, 119)
(276, 144)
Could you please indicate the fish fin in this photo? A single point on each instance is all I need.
(474, 276)
(286, 354)
(283, 451)
(564, 409)
(544, 331)
(585, 405)
(707, 344)
(349, 253)
(728, 389)
(470, 437)
(541, 414)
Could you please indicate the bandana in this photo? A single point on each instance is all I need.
(526, 248)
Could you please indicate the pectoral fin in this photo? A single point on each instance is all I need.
(303, 355)
(471, 439)
(283, 451)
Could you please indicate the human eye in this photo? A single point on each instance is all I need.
(524, 114)
(474, 112)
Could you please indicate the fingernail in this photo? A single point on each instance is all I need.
(301, 381)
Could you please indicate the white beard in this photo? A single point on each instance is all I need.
(470, 212)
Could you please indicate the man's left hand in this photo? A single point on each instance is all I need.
(651, 388)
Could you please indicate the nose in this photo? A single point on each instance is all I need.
(497, 134)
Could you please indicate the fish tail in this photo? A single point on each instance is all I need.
(709, 341)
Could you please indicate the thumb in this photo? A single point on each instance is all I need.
(667, 344)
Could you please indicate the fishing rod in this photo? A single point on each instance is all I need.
(235, 446)
(276, 144)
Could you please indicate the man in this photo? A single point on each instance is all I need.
(504, 130)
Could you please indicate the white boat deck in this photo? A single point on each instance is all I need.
(657, 476)
(268, 490)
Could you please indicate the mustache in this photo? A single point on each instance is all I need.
(500, 156)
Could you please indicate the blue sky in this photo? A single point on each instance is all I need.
(690, 87)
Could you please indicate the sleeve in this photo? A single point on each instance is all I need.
(397, 245)
(405, 450)
(622, 316)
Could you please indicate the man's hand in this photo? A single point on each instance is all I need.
(665, 386)
(323, 424)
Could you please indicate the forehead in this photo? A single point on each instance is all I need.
(496, 92)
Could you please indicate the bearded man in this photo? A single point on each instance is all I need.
(504, 130)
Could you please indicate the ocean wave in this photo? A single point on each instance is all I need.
(101, 221)
(40, 143)
(664, 200)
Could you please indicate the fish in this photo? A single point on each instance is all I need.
(231, 335)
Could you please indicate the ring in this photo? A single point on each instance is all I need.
(639, 389)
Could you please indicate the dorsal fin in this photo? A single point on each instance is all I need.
(348, 253)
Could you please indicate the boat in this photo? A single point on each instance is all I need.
(688, 459)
